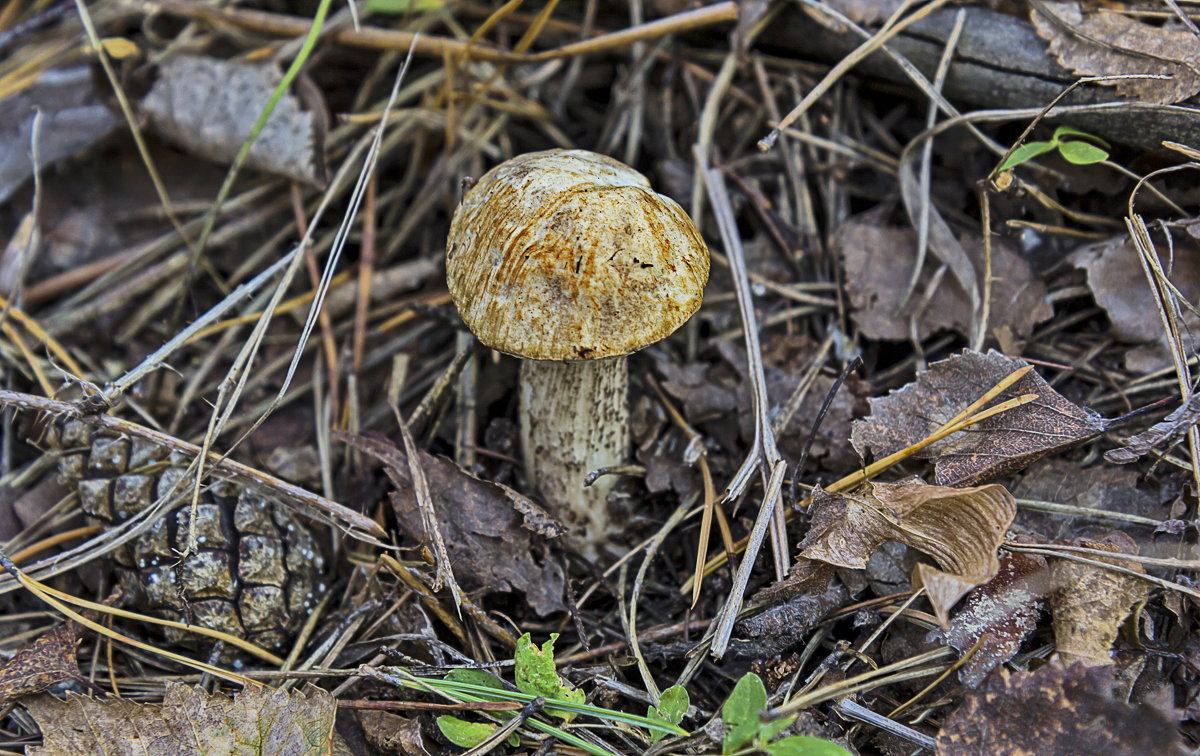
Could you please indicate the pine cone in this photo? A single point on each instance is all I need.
(257, 572)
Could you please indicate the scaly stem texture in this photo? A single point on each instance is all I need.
(574, 419)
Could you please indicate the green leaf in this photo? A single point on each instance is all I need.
(740, 713)
(1025, 153)
(463, 733)
(475, 677)
(768, 730)
(1064, 131)
(399, 7)
(535, 674)
(1082, 153)
(801, 745)
(672, 706)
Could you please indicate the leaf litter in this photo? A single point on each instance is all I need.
(922, 611)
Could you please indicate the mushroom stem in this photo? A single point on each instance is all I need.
(574, 419)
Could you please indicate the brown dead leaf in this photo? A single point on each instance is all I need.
(1055, 712)
(1114, 274)
(1102, 487)
(47, 661)
(189, 722)
(999, 445)
(73, 117)
(1089, 603)
(209, 107)
(960, 528)
(1005, 610)
(1106, 43)
(488, 528)
(879, 260)
(391, 733)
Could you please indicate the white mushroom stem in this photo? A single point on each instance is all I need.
(575, 419)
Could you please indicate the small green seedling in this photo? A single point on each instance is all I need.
(535, 674)
(747, 732)
(672, 706)
(460, 732)
(1074, 151)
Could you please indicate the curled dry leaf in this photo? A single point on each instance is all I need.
(960, 528)
(1055, 712)
(209, 107)
(1106, 43)
(189, 722)
(488, 528)
(999, 445)
(1004, 612)
(1089, 603)
(1161, 435)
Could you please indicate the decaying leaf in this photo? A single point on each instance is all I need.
(1118, 284)
(189, 722)
(998, 445)
(209, 107)
(960, 528)
(879, 260)
(391, 733)
(1102, 487)
(1090, 603)
(488, 528)
(1104, 42)
(1161, 435)
(1055, 712)
(48, 660)
(73, 117)
(1003, 611)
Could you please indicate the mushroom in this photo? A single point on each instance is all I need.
(568, 260)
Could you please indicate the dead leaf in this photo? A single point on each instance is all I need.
(999, 445)
(391, 733)
(1107, 43)
(1003, 611)
(1114, 274)
(1162, 435)
(189, 722)
(1090, 603)
(73, 117)
(879, 261)
(488, 528)
(960, 528)
(47, 661)
(866, 12)
(209, 107)
(1055, 712)
(1101, 487)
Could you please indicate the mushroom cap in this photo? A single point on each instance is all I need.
(569, 255)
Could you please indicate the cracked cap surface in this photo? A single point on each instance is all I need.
(570, 255)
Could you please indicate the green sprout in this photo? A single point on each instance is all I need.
(747, 732)
(1076, 151)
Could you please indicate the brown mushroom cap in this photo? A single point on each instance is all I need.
(569, 255)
